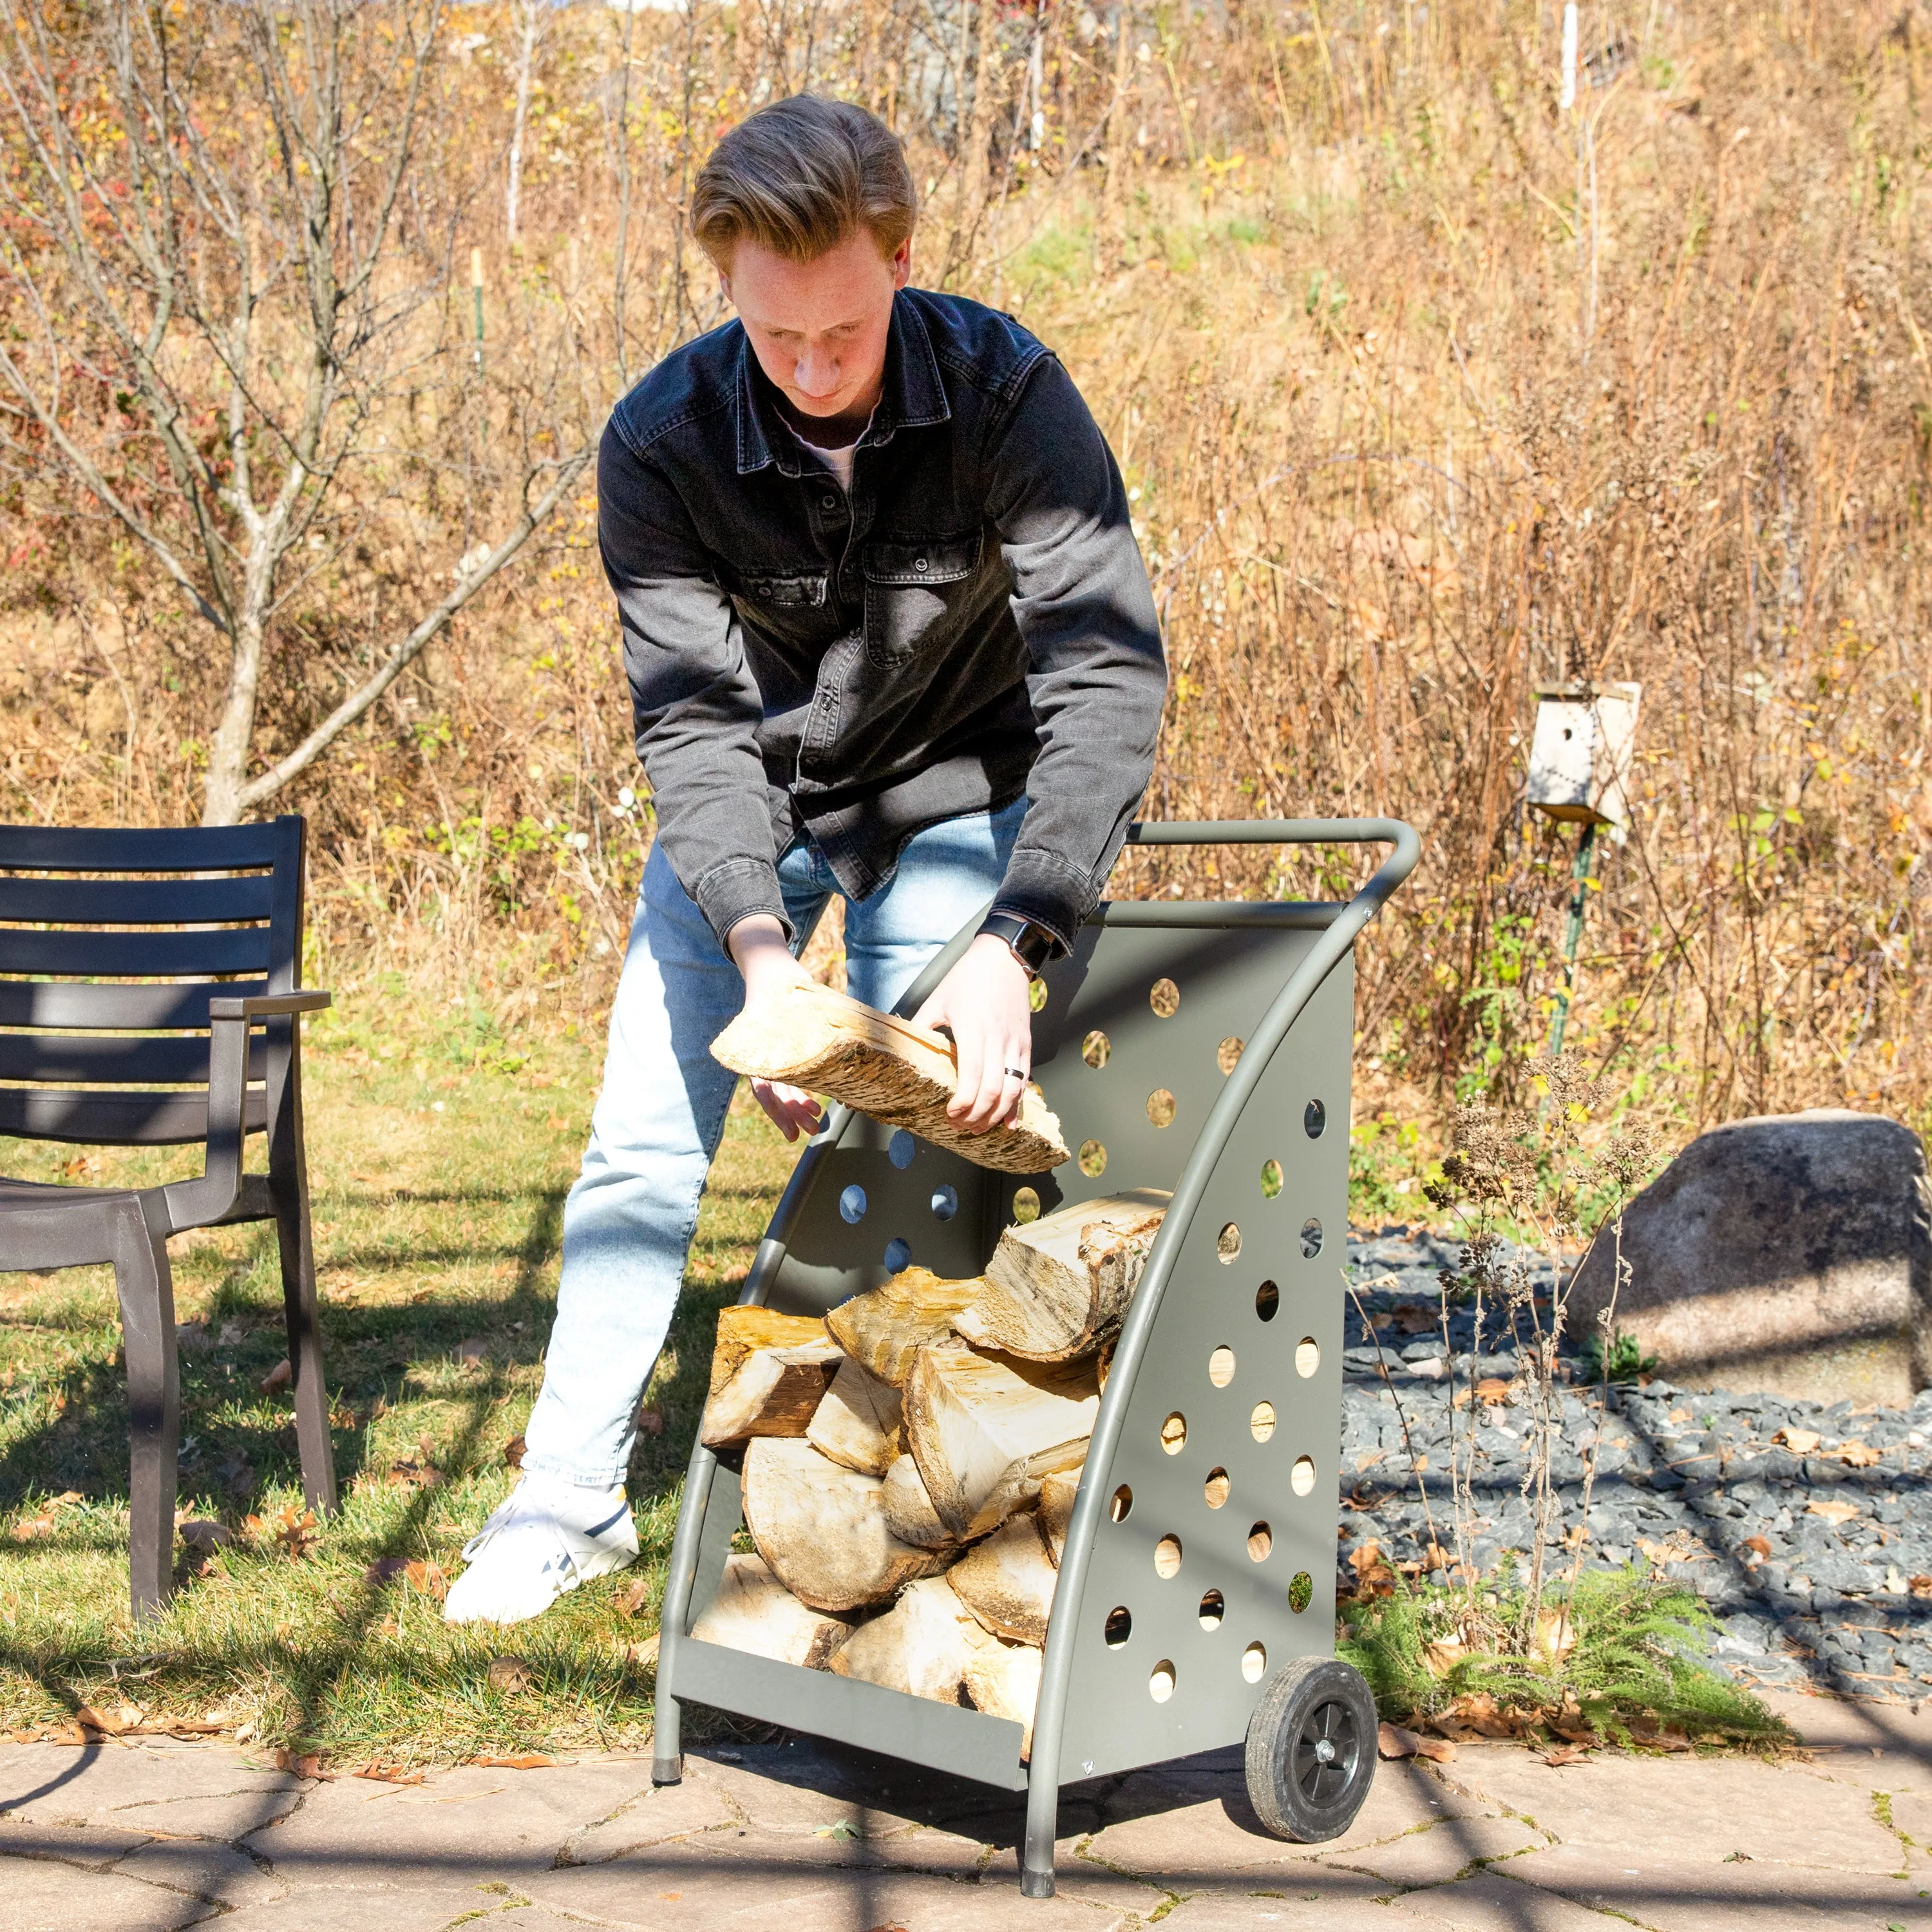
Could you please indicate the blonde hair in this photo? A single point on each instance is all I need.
(798, 177)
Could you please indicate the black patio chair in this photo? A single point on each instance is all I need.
(140, 1010)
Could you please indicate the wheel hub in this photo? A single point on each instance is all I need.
(1323, 1761)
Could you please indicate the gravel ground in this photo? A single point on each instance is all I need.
(1807, 1558)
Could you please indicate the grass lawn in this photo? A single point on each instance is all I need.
(439, 1160)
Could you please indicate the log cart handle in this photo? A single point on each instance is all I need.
(1332, 946)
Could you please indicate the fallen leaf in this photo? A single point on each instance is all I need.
(1857, 1455)
(122, 1717)
(509, 1675)
(1555, 1636)
(1436, 1558)
(1834, 1509)
(427, 1580)
(307, 1764)
(383, 1774)
(1392, 1741)
(513, 1453)
(530, 1761)
(1410, 1320)
(1919, 1586)
(1418, 1465)
(643, 1656)
(1799, 1441)
(1441, 1656)
(1368, 1461)
(629, 1602)
(35, 1526)
(1564, 1754)
(1760, 1546)
(1493, 1391)
(277, 1378)
(406, 1474)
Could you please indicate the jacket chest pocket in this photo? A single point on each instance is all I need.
(782, 599)
(911, 588)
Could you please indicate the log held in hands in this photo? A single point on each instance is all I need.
(894, 1072)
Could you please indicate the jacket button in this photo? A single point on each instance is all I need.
(920, 564)
(828, 503)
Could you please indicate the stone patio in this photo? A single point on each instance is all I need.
(145, 1836)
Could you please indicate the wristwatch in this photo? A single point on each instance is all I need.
(1032, 945)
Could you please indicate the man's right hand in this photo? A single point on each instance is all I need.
(758, 950)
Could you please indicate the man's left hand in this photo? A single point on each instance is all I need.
(983, 1002)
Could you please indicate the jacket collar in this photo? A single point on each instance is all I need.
(913, 398)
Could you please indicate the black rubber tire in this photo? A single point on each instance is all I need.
(1311, 1754)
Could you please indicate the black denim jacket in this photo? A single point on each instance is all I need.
(972, 622)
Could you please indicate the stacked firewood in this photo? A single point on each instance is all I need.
(910, 1461)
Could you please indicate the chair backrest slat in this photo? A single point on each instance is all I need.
(78, 901)
(106, 975)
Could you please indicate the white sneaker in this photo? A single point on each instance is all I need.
(545, 1537)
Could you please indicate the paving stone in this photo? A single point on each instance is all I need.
(324, 1908)
(1688, 1895)
(1313, 1900)
(1490, 1902)
(1685, 1807)
(43, 1896)
(201, 1868)
(57, 1783)
(1437, 1853)
(99, 1845)
(1861, 1726)
(1187, 1829)
(655, 1815)
(1086, 1877)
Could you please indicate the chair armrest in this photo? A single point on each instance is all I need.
(267, 1005)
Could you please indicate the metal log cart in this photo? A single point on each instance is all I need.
(1205, 1048)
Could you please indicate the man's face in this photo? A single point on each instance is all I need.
(819, 328)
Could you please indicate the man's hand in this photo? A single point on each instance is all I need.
(757, 948)
(982, 1001)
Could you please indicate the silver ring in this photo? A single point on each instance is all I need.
(1015, 1073)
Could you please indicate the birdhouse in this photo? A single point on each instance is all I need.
(1579, 758)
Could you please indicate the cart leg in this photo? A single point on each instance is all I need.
(1042, 1824)
(666, 1756)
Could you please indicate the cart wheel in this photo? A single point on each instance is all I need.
(1311, 1750)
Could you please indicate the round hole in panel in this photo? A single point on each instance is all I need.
(1174, 1433)
(1307, 1356)
(1311, 1238)
(1095, 1049)
(1160, 1681)
(1119, 1627)
(1164, 996)
(1215, 1489)
(1120, 1505)
(1301, 1478)
(1160, 1107)
(1213, 1608)
(852, 1204)
(1254, 1662)
(1268, 1301)
(1228, 1244)
(899, 1254)
(1026, 1205)
(1314, 1118)
(1260, 1541)
(1261, 1422)
(1167, 1557)
(901, 1148)
(1270, 1180)
(1093, 1160)
(1300, 1591)
(1036, 993)
(1221, 1366)
(945, 1202)
(1227, 1054)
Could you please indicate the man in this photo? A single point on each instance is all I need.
(888, 634)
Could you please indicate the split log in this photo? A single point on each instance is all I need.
(923, 1645)
(1056, 1495)
(821, 1528)
(910, 1514)
(768, 1373)
(1007, 1581)
(1002, 1679)
(885, 1327)
(984, 1430)
(1057, 1287)
(754, 1612)
(858, 1423)
(899, 1074)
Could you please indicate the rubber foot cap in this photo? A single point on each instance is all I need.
(667, 1771)
(1036, 1885)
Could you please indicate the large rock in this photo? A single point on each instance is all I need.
(1791, 1254)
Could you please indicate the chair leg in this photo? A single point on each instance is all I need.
(145, 1284)
(298, 1306)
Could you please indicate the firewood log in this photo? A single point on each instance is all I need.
(768, 1372)
(910, 1514)
(858, 1423)
(884, 1328)
(984, 1430)
(754, 1612)
(1056, 1495)
(897, 1073)
(1057, 1288)
(1002, 1679)
(1007, 1581)
(821, 1528)
(922, 1645)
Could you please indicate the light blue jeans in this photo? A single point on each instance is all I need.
(628, 1224)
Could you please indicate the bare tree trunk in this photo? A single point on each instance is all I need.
(530, 22)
